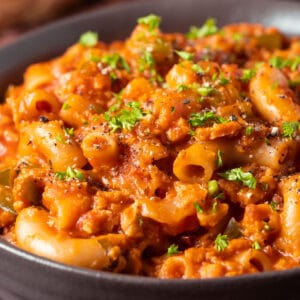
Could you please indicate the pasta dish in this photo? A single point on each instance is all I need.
(167, 155)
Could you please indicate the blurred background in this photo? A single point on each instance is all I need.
(20, 16)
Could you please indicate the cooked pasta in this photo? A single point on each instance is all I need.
(167, 155)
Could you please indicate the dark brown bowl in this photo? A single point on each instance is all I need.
(26, 276)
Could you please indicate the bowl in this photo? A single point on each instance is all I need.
(26, 276)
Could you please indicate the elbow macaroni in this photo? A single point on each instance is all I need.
(164, 155)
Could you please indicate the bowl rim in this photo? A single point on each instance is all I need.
(117, 277)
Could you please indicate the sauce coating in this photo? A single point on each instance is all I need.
(167, 155)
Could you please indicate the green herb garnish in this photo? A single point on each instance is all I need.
(219, 160)
(173, 249)
(69, 174)
(221, 242)
(199, 209)
(89, 39)
(69, 131)
(256, 246)
(199, 119)
(115, 61)
(185, 55)
(238, 175)
(127, 118)
(289, 128)
(247, 75)
(249, 130)
(209, 28)
(152, 21)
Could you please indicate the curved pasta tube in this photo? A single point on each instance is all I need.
(33, 234)
(179, 203)
(276, 155)
(37, 75)
(56, 147)
(36, 102)
(75, 110)
(272, 97)
(173, 267)
(198, 162)
(289, 241)
(100, 150)
(195, 164)
(255, 258)
(66, 207)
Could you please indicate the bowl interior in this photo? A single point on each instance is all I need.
(25, 276)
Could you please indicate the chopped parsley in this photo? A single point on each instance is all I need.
(214, 206)
(127, 118)
(182, 87)
(279, 62)
(219, 160)
(249, 130)
(65, 106)
(208, 28)
(199, 209)
(192, 133)
(115, 61)
(69, 131)
(274, 205)
(223, 80)
(221, 242)
(256, 246)
(69, 174)
(197, 69)
(152, 21)
(205, 90)
(289, 128)
(185, 55)
(212, 187)
(199, 119)
(60, 139)
(173, 249)
(88, 39)
(147, 62)
(238, 175)
(214, 77)
(247, 75)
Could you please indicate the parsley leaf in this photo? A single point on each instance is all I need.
(223, 80)
(205, 90)
(147, 62)
(255, 245)
(65, 106)
(219, 161)
(289, 128)
(249, 130)
(208, 28)
(185, 55)
(69, 131)
(221, 242)
(88, 39)
(115, 61)
(199, 119)
(199, 209)
(173, 249)
(70, 174)
(237, 174)
(126, 119)
(247, 75)
(152, 21)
